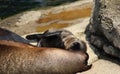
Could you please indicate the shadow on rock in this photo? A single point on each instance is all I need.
(97, 43)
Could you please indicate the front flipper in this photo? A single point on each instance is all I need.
(86, 68)
(46, 36)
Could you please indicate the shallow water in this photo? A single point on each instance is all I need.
(11, 7)
(63, 19)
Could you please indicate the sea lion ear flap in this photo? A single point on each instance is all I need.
(34, 36)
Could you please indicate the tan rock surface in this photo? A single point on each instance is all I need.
(103, 67)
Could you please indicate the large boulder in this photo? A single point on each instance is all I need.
(103, 30)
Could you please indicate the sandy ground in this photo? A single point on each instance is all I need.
(103, 67)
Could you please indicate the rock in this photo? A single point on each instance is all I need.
(28, 17)
(104, 27)
(103, 67)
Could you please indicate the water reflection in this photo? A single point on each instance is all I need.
(11, 7)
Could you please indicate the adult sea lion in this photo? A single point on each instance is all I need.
(21, 58)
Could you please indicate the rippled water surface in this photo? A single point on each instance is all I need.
(11, 7)
(63, 19)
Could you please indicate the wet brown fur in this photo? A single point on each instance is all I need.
(20, 58)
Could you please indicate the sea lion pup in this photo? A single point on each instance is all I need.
(20, 58)
(8, 35)
(58, 38)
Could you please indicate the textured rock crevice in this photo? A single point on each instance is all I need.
(103, 30)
